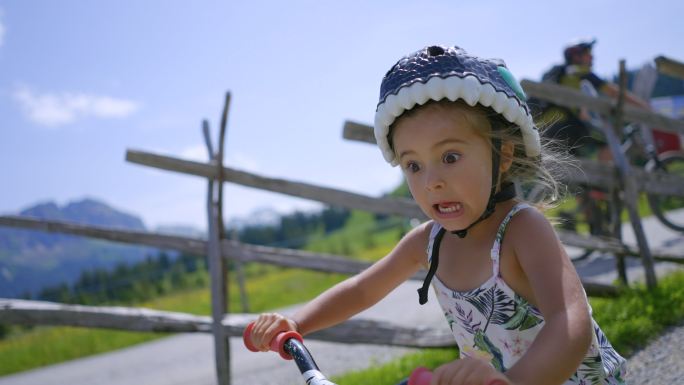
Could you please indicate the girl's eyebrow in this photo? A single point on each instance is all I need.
(441, 143)
(450, 141)
(404, 153)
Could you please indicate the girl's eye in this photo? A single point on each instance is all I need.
(451, 157)
(412, 166)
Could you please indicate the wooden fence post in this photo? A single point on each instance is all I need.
(630, 191)
(616, 220)
(217, 264)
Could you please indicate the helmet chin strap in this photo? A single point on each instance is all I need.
(507, 192)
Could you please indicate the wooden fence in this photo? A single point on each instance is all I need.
(221, 250)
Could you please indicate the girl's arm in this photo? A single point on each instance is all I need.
(361, 291)
(564, 340)
(353, 295)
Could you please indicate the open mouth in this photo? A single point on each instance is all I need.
(448, 207)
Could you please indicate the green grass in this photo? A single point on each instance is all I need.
(49, 345)
(362, 237)
(638, 315)
(396, 370)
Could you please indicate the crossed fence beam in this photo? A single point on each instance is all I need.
(246, 253)
(146, 320)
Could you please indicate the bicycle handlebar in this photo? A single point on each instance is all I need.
(277, 343)
(291, 343)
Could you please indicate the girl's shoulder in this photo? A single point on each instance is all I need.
(415, 242)
(530, 228)
(527, 220)
(419, 235)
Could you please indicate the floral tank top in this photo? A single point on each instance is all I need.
(495, 323)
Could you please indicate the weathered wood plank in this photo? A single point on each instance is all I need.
(287, 257)
(284, 257)
(24, 312)
(335, 197)
(218, 286)
(587, 172)
(569, 97)
(280, 256)
(193, 246)
(629, 188)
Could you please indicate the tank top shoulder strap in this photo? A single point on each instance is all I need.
(496, 248)
(433, 233)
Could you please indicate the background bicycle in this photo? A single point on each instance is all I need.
(596, 210)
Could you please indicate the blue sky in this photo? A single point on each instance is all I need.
(82, 81)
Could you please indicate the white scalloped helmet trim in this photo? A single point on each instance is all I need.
(470, 90)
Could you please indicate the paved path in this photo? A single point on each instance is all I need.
(188, 358)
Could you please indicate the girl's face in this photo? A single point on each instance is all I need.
(447, 164)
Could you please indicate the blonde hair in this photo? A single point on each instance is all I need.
(536, 179)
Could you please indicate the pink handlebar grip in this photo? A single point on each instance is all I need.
(277, 343)
(422, 376)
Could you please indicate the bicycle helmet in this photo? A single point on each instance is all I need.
(577, 47)
(435, 73)
(438, 72)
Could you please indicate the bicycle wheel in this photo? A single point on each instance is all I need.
(669, 209)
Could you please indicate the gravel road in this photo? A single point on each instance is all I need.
(188, 358)
(661, 362)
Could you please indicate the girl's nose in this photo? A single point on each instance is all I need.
(434, 181)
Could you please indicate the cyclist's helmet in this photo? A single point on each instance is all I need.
(436, 73)
(577, 47)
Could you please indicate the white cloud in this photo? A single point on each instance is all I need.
(50, 109)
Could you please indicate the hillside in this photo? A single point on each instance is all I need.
(31, 260)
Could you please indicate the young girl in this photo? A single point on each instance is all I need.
(460, 129)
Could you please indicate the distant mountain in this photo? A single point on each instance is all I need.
(263, 216)
(181, 230)
(31, 260)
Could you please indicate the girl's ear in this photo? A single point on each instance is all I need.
(507, 148)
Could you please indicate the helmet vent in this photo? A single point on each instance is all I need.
(435, 50)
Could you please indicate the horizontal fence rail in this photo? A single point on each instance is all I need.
(304, 259)
(587, 172)
(335, 197)
(572, 98)
(231, 249)
(146, 320)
